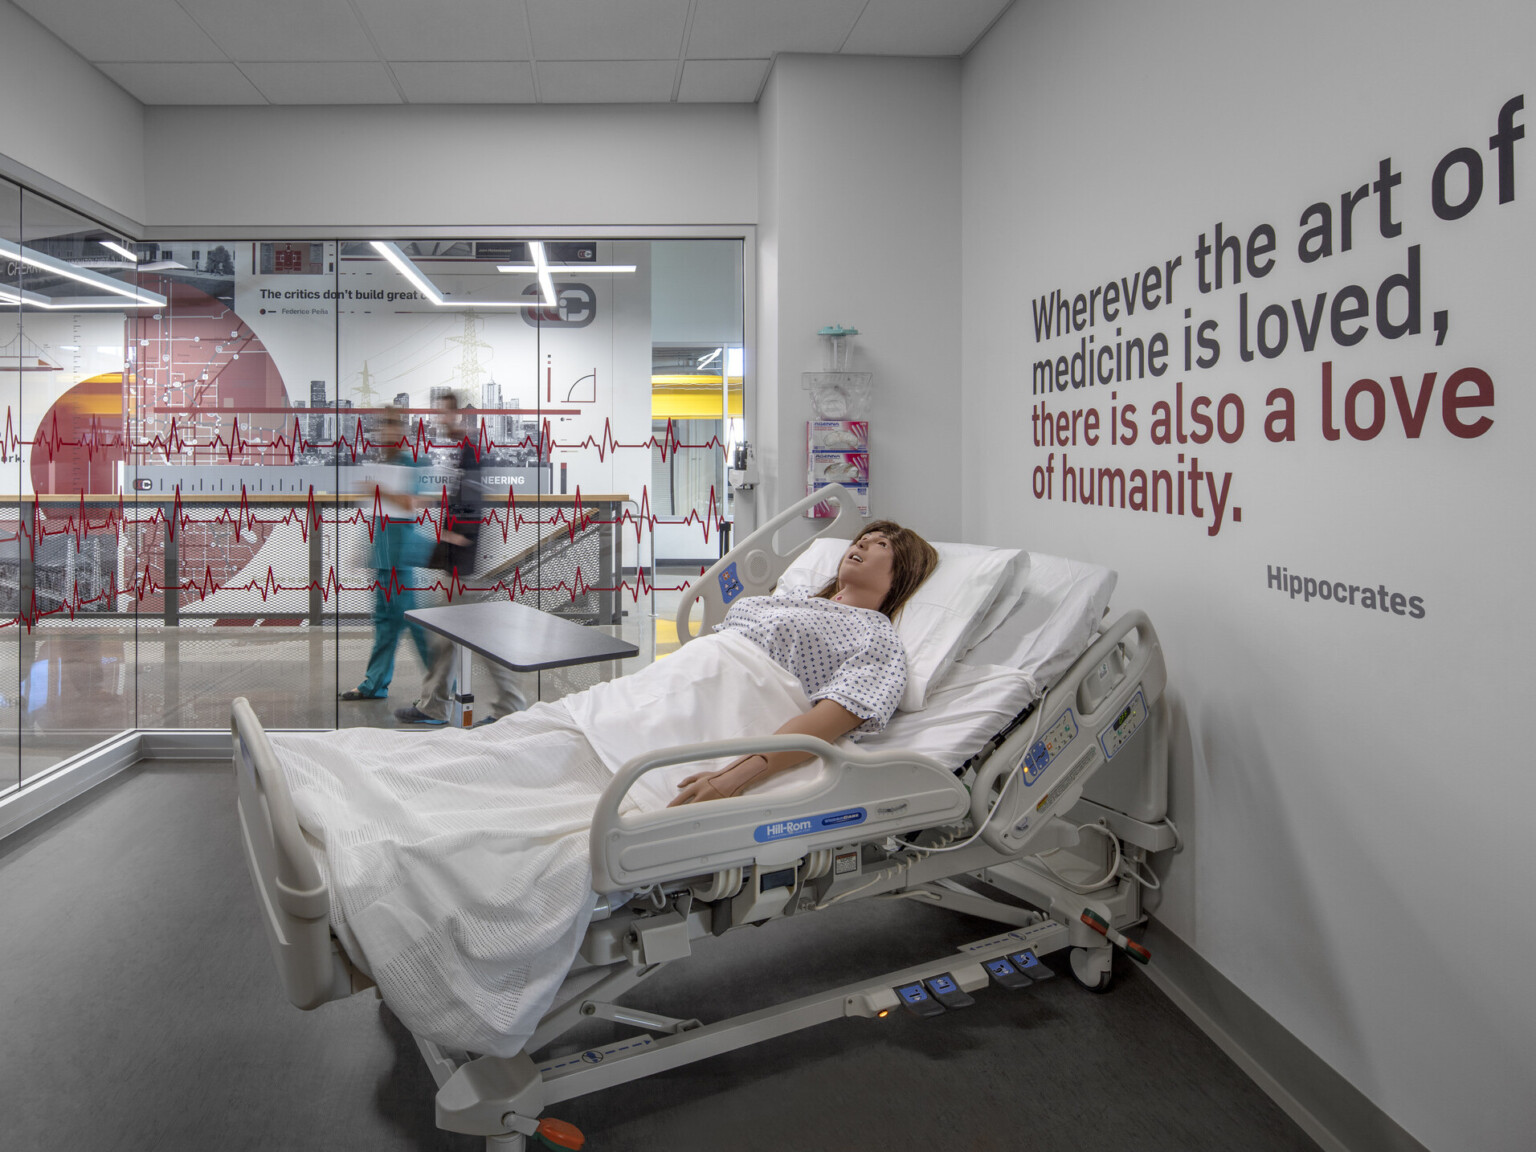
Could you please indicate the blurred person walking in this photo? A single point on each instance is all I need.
(399, 546)
(457, 555)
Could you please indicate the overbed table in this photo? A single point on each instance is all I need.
(517, 637)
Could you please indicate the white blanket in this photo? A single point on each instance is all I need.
(458, 861)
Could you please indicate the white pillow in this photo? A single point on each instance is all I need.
(1063, 603)
(1009, 592)
(940, 621)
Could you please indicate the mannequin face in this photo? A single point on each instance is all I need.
(866, 570)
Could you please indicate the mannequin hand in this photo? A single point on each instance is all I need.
(699, 786)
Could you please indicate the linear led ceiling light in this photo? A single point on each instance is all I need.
(67, 303)
(125, 253)
(403, 265)
(541, 268)
(141, 297)
(392, 253)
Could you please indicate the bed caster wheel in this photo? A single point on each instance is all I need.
(1091, 967)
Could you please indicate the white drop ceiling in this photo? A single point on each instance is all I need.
(486, 51)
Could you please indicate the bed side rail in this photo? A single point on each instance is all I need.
(855, 796)
(1088, 720)
(755, 564)
(295, 903)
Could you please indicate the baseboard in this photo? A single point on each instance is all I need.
(184, 743)
(1327, 1107)
(56, 787)
(76, 776)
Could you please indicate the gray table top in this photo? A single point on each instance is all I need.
(519, 637)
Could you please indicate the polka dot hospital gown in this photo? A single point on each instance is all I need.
(849, 655)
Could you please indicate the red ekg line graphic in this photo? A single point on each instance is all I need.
(98, 439)
(35, 528)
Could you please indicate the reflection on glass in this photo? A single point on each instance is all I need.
(235, 431)
(14, 565)
(75, 650)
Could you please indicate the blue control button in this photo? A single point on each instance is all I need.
(730, 584)
(1002, 970)
(915, 999)
(1029, 964)
(947, 992)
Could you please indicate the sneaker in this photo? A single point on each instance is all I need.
(411, 714)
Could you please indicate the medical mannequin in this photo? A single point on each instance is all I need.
(878, 573)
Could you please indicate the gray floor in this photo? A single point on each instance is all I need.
(139, 1010)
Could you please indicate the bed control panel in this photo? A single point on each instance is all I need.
(1048, 748)
(1127, 723)
(730, 584)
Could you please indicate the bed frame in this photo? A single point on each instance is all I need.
(708, 869)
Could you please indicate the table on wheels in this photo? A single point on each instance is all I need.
(517, 637)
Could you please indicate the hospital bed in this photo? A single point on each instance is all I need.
(995, 830)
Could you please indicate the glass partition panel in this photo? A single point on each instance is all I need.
(15, 550)
(77, 282)
(697, 391)
(233, 465)
(235, 432)
(525, 367)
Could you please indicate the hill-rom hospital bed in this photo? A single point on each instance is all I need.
(1023, 782)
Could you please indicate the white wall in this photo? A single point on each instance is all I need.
(64, 119)
(449, 166)
(860, 171)
(1352, 783)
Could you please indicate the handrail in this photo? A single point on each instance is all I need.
(880, 793)
(754, 565)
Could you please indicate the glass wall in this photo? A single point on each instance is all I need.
(14, 549)
(70, 550)
(206, 440)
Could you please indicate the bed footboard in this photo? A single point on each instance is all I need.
(295, 903)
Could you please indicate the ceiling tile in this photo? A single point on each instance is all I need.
(722, 81)
(332, 82)
(758, 28)
(465, 82)
(607, 29)
(921, 27)
(462, 30)
(124, 29)
(183, 83)
(271, 30)
(606, 81)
